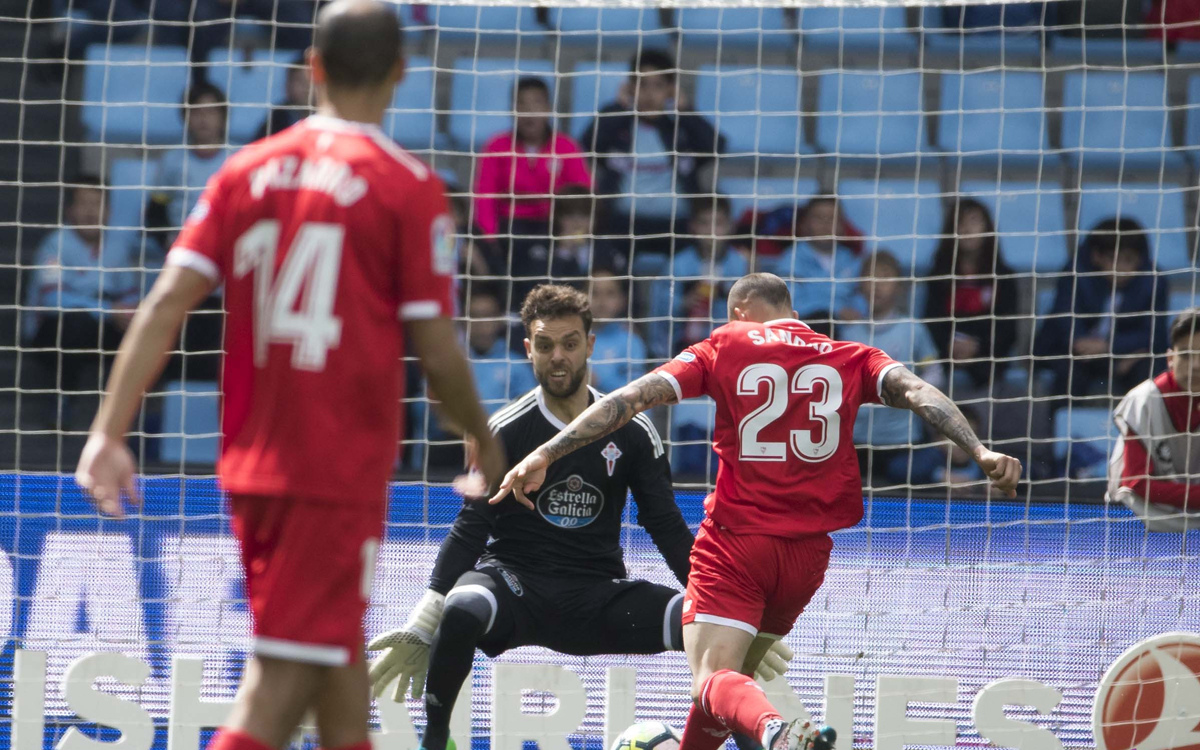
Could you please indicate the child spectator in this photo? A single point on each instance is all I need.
(889, 325)
(498, 376)
(296, 104)
(971, 298)
(618, 354)
(1105, 326)
(824, 270)
(1156, 462)
(521, 169)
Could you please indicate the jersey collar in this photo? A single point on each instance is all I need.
(785, 320)
(549, 415)
(325, 122)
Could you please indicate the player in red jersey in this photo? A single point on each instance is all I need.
(788, 475)
(334, 247)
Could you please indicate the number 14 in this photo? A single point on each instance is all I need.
(805, 443)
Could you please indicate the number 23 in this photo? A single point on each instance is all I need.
(805, 443)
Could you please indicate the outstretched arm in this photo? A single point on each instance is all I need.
(903, 390)
(606, 415)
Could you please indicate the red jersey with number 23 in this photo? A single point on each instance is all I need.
(327, 237)
(786, 401)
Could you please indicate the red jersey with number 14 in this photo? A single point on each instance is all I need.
(327, 237)
(786, 402)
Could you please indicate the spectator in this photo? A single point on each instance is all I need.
(523, 168)
(1175, 20)
(618, 354)
(1103, 330)
(296, 104)
(825, 270)
(477, 256)
(770, 231)
(971, 297)
(650, 155)
(87, 22)
(82, 292)
(1156, 462)
(498, 376)
(889, 325)
(183, 172)
(685, 307)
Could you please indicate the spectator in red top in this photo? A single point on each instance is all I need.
(1157, 459)
(971, 299)
(1174, 19)
(523, 168)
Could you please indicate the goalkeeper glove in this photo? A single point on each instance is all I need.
(775, 662)
(405, 656)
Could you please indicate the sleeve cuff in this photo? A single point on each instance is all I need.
(420, 310)
(184, 257)
(674, 384)
(879, 382)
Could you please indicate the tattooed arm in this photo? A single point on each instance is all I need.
(902, 389)
(606, 415)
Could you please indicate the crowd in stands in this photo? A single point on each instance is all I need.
(631, 214)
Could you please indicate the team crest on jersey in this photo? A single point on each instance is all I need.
(571, 503)
(611, 453)
(445, 245)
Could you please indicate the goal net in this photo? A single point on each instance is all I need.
(1001, 196)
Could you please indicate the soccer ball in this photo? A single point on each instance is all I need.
(647, 735)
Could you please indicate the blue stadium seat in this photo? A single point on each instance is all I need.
(1181, 300)
(191, 423)
(132, 93)
(127, 193)
(252, 85)
(743, 27)
(1101, 51)
(599, 27)
(859, 30)
(1192, 131)
(594, 85)
(863, 113)
(1114, 118)
(972, 43)
(990, 113)
(411, 119)
(1084, 436)
(1160, 209)
(901, 216)
(1029, 218)
(756, 109)
(484, 23)
(481, 95)
(765, 193)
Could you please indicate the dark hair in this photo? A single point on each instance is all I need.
(1185, 326)
(719, 203)
(946, 258)
(359, 42)
(767, 287)
(572, 200)
(652, 58)
(881, 258)
(203, 90)
(1110, 234)
(481, 289)
(531, 83)
(87, 182)
(554, 301)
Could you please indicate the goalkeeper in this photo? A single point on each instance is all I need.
(554, 577)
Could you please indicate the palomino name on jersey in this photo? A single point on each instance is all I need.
(784, 336)
(324, 175)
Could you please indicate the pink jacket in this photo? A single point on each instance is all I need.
(503, 173)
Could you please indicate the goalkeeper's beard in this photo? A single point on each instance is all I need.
(574, 381)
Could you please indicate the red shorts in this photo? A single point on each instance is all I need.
(752, 582)
(309, 567)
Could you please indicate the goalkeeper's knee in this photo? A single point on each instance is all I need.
(469, 613)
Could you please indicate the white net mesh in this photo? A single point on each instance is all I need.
(946, 182)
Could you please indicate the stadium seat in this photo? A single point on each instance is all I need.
(1159, 209)
(252, 84)
(1113, 119)
(127, 194)
(902, 216)
(973, 45)
(987, 114)
(863, 113)
(594, 85)
(191, 422)
(411, 120)
(1030, 220)
(766, 193)
(719, 27)
(600, 27)
(1192, 131)
(484, 23)
(1084, 437)
(481, 95)
(756, 109)
(858, 30)
(1133, 53)
(1181, 300)
(132, 93)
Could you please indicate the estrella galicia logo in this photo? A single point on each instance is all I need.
(514, 584)
(571, 503)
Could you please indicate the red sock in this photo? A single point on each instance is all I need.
(737, 702)
(702, 732)
(231, 739)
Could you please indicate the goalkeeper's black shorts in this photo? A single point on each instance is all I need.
(582, 616)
